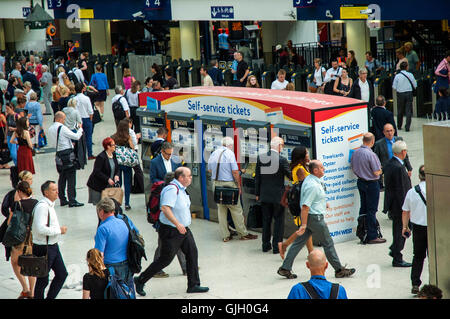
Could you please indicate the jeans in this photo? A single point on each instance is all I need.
(87, 128)
(127, 172)
(420, 249)
(121, 270)
(13, 151)
(55, 263)
(369, 192)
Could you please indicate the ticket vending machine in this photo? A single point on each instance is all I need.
(214, 129)
(151, 121)
(253, 140)
(293, 136)
(186, 144)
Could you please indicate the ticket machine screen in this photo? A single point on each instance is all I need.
(212, 137)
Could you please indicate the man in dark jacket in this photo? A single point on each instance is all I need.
(270, 172)
(215, 73)
(380, 117)
(163, 163)
(30, 77)
(397, 185)
(363, 89)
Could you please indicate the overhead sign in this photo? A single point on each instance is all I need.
(26, 11)
(56, 4)
(354, 12)
(86, 13)
(222, 12)
(304, 3)
(153, 4)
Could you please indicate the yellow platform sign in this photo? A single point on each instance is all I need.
(86, 13)
(353, 13)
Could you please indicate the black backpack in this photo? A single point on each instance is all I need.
(135, 249)
(314, 295)
(118, 111)
(73, 77)
(293, 199)
(361, 229)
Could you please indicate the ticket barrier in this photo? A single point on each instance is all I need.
(214, 129)
(293, 136)
(227, 76)
(188, 149)
(194, 74)
(151, 121)
(182, 74)
(267, 78)
(253, 140)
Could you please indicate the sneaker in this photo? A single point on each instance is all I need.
(286, 273)
(345, 272)
(161, 274)
(139, 286)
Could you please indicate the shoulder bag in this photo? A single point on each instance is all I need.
(127, 156)
(31, 265)
(225, 195)
(64, 159)
(17, 229)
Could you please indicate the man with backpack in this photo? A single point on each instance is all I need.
(317, 287)
(175, 233)
(120, 105)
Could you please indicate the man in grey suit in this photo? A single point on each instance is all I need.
(271, 169)
(383, 149)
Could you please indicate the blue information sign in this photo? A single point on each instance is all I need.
(304, 3)
(56, 4)
(222, 12)
(26, 11)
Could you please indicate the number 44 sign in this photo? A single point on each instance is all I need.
(153, 4)
(304, 3)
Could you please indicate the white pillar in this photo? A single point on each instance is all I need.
(358, 39)
(189, 40)
(100, 36)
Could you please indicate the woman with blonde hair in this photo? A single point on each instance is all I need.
(252, 82)
(290, 87)
(96, 280)
(131, 96)
(65, 92)
(73, 117)
(401, 56)
(26, 204)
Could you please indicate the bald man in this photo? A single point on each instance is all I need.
(367, 167)
(65, 152)
(271, 169)
(317, 287)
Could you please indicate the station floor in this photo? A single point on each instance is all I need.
(232, 270)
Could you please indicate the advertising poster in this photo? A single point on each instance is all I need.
(338, 133)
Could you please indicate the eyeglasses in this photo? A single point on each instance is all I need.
(112, 145)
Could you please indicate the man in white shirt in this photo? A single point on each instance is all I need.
(363, 89)
(404, 83)
(120, 96)
(280, 83)
(225, 173)
(46, 230)
(79, 74)
(64, 146)
(207, 80)
(84, 106)
(332, 74)
(415, 210)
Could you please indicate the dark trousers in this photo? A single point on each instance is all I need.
(88, 128)
(369, 192)
(69, 177)
(398, 242)
(181, 257)
(55, 263)
(126, 180)
(404, 107)
(420, 249)
(171, 242)
(272, 211)
(135, 118)
(55, 107)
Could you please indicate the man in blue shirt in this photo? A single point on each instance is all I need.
(111, 239)
(317, 264)
(174, 233)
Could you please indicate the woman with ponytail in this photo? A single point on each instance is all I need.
(96, 280)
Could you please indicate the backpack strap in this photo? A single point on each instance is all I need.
(310, 290)
(334, 291)
(419, 191)
(175, 186)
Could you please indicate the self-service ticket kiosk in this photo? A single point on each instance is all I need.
(187, 148)
(293, 136)
(151, 121)
(214, 129)
(253, 140)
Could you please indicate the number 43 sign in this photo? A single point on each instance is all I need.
(153, 4)
(304, 3)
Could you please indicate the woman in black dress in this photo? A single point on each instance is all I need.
(96, 280)
(343, 84)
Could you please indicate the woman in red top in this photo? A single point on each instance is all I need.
(22, 137)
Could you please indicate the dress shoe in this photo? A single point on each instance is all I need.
(377, 241)
(249, 237)
(197, 289)
(64, 204)
(92, 157)
(286, 273)
(276, 252)
(161, 274)
(402, 264)
(415, 290)
(139, 286)
(127, 207)
(76, 204)
(344, 272)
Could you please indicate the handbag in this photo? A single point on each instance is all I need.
(32, 131)
(96, 118)
(115, 192)
(225, 195)
(64, 159)
(31, 265)
(254, 217)
(16, 232)
(127, 156)
(42, 140)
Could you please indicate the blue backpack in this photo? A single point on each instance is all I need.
(117, 288)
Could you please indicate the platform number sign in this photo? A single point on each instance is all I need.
(153, 4)
(55, 4)
(304, 3)
(26, 11)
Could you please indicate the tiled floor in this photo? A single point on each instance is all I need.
(237, 269)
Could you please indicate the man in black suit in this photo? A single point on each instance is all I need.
(380, 117)
(271, 169)
(363, 89)
(161, 133)
(30, 77)
(383, 149)
(397, 185)
(163, 163)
